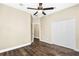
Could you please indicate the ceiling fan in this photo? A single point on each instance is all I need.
(40, 7)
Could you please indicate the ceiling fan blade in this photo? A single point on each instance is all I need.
(43, 13)
(50, 8)
(32, 8)
(35, 12)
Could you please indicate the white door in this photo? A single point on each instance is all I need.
(63, 33)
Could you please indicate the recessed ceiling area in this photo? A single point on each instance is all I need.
(58, 7)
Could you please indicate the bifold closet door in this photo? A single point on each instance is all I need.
(63, 33)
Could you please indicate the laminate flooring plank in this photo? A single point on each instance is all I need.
(39, 48)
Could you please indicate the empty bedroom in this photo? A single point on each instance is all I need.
(39, 29)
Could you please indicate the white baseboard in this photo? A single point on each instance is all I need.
(46, 41)
(12, 48)
(51, 43)
(76, 50)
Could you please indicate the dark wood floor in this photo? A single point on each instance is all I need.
(38, 48)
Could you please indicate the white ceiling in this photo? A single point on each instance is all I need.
(58, 7)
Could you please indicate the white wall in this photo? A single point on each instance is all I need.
(66, 14)
(15, 27)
